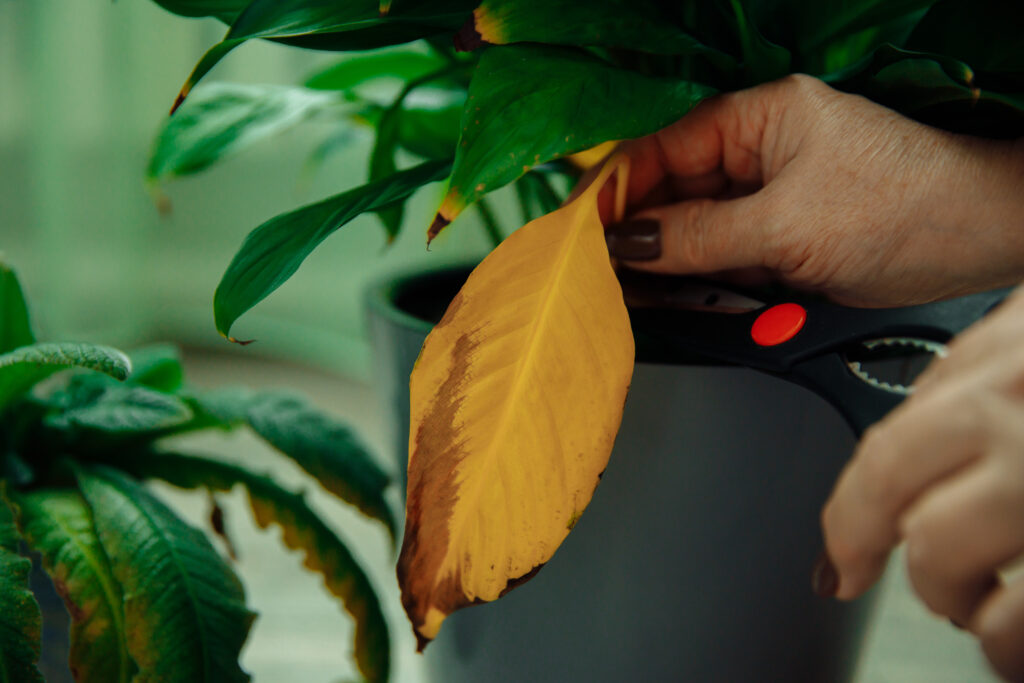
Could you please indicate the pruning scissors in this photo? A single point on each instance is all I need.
(845, 355)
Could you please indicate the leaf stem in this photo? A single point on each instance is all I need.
(490, 222)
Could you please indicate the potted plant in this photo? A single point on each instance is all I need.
(534, 82)
(149, 597)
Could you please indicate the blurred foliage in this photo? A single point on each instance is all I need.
(149, 596)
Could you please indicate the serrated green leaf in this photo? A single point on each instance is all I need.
(273, 251)
(185, 610)
(326, 449)
(15, 327)
(157, 367)
(58, 524)
(22, 368)
(405, 65)
(327, 24)
(531, 104)
(303, 530)
(20, 619)
(222, 119)
(623, 24)
(123, 410)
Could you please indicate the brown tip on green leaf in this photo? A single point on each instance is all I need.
(180, 99)
(439, 224)
(468, 37)
(385, 7)
(241, 342)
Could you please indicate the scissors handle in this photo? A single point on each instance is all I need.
(808, 338)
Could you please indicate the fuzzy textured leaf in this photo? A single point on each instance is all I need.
(516, 399)
(273, 251)
(15, 327)
(221, 119)
(185, 610)
(58, 524)
(21, 623)
(303, 530)
(24, 367)
(157, 367)
(326, 449)
(531, 104)
(121, 409)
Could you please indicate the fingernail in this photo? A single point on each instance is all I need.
(824, 579)
(636, 240)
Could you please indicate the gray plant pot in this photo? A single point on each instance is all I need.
(693, 561)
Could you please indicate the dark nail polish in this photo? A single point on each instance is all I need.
(824, 579)
(637, 240)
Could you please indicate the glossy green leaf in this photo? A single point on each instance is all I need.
(273, 251)
(404, 65)
(185, 610)
(20, 619)
(624, 24)
(225, 10)
(986, 34)
(58, 524)
(536, 196)
(120, 409)
(530, 104)
(818, 23)
(157, 367)
(224, 118)
(328, 24)
(938, 90)
(24, 367)
(326, 449)
(15, 326)
(763, 60)
(303, 530)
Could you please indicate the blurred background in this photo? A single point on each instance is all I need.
(84, 87)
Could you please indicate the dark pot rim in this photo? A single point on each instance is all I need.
(384, 299)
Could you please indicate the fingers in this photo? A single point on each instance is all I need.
(999, 625)
(697, 236)
(924, 441)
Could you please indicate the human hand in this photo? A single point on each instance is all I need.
(825, 191)
(944, 473)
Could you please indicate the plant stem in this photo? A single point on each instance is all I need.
(490, 223)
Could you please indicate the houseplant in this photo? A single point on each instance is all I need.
(149, 597)
(554, 78)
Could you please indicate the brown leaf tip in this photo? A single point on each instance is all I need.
(468, 38)
(241, 342)
(179, 100)
(439, 224)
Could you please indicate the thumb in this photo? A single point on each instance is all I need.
(694, 236)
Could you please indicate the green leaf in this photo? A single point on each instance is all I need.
(536, 196)
(986, 34)
(328, 24)
(404, 64)
(225, 10)
(303, 530)
(15, 327)
(818, 23)
(121, 410)
(224, 118)
(528, 105)
(58, 524)
(763, 60)
(24, 367)
(623, 24)
(185, 610)
(20, 619)
(326, 449)
(157, 367)
(273, 251)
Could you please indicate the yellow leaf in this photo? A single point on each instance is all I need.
(516, 399)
